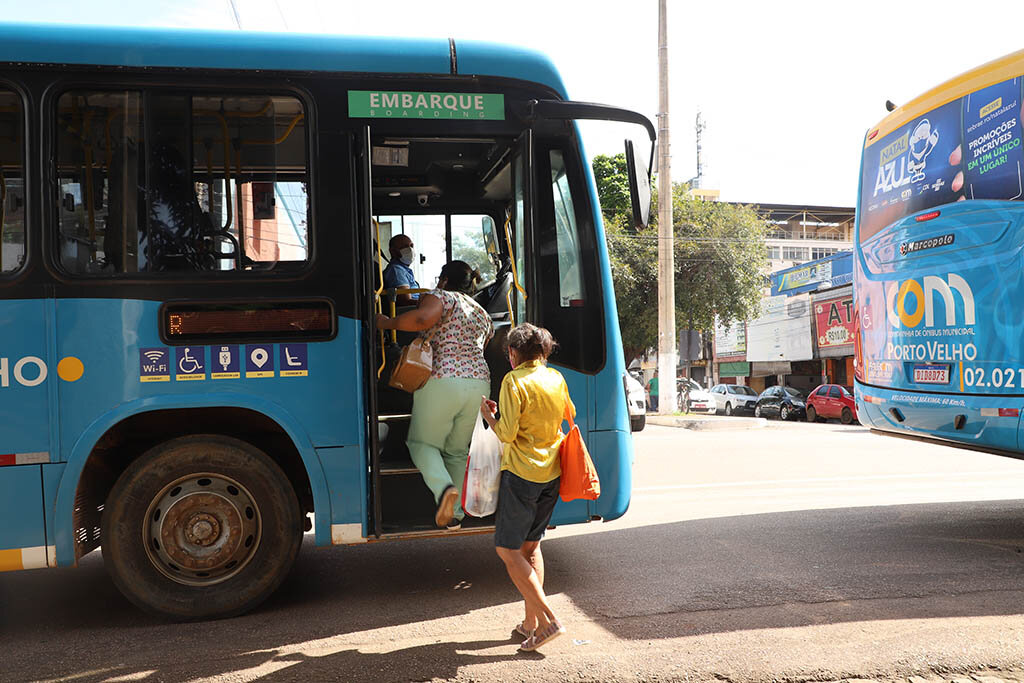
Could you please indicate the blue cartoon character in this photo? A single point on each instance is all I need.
(922, 141)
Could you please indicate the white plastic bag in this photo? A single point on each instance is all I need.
(483, 472)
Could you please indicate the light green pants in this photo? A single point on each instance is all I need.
(444, 413)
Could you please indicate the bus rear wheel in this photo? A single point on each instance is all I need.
(201, 527)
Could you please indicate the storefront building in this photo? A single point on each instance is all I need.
(804, 335)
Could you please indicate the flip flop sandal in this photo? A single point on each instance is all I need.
(446, 507)
(522, 631)
(542, 637)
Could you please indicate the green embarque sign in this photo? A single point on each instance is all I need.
(382, 104)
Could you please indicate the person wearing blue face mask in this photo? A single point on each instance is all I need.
(399, 273)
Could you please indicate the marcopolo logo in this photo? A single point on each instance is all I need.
(909, 311)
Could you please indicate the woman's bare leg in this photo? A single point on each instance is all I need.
(526, 580)
(531, 551)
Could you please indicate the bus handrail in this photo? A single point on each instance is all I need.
(515, 271)
(379, 308)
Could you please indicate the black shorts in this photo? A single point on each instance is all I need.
(524, 510)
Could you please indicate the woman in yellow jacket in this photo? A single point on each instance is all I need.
(531, 405)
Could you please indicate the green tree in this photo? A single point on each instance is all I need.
(719, 259)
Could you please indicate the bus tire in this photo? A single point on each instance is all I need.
(201, 527)
(847, 416)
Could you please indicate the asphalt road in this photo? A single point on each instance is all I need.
(794, 552)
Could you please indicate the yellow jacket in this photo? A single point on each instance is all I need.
(532, 405)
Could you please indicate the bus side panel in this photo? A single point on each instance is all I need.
(345, 472)
(328, 401)
(23, 532)
(615, 468)
(52, 475)
(24, 401)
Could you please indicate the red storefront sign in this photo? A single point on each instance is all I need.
(833, 320)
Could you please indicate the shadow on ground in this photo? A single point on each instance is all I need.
(660, 581)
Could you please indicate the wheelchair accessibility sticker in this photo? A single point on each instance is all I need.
(190, 363)
(293, 360)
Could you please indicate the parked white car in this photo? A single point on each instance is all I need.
(732, 398)
(700, 400)
(637, 400)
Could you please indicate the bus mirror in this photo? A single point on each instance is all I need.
(639, 186)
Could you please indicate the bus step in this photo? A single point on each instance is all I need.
(398, 467)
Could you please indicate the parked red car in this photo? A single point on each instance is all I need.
(831, 400)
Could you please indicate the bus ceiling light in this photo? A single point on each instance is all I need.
(394, 194)
(926, 216)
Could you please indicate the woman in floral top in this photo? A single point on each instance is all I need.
(445, 409)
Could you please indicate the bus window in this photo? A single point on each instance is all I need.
(156, 182)
(427, 234)
(470, 237)
(12, 184)
(570, 279)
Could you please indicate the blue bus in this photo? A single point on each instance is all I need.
(938, 269)
(193, 230)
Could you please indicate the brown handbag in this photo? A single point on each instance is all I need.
(413, 368)
(416, 363)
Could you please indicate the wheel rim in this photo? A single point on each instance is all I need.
(784, 414)
(202, 529)
(757, 411)
(811, 414)
(728, 409)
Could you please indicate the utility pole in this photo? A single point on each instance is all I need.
(700, 166)
(666, 240)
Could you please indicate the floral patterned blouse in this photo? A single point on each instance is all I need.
(459, 337)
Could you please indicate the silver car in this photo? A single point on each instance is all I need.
(733, 398)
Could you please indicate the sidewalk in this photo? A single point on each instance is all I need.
(706, 422)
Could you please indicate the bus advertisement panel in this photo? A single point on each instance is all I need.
(937, 273)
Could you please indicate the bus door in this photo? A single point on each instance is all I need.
(566, 287)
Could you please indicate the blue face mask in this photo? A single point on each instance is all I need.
(407, 256)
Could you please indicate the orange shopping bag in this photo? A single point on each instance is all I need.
(579, 476)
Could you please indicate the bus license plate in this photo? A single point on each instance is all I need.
(931, 374)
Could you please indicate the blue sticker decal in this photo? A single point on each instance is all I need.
(154, 365)
(294, 360)
(190, 363)
(259, 360)
(225, 362)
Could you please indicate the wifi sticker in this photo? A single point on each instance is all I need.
(154, 365)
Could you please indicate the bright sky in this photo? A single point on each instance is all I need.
(787, 89)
